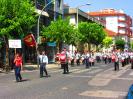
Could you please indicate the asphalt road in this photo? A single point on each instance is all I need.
(97, 82)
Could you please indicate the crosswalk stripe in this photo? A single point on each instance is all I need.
(131, 73)
(94, 71)
(55, 71)
(81, 71)
(94, 67)
(71, 70)
(74, 70)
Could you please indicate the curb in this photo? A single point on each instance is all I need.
(49, 66)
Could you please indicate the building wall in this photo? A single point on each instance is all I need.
(116, 21)
(112, 23)
(72, 19)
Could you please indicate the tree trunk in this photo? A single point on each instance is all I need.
(89, 47)
(97, 48)
(60, 46)
(7, 67)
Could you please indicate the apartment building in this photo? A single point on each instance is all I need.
(116, 22)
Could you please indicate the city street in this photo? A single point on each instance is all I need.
(98, 82)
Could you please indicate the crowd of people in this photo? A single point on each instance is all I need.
(66, 58)
(90, 58)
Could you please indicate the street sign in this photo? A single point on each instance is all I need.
(14, 43)
(51, 44)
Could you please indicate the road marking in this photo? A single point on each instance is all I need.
(2, 74)
(130, 79)
(80, 71)
(94, 71)
(60, 70)
(102, 79)
(71, 70)
(55, 71)
(99, 82)
(131, 74)
(94, 67)
(79, 76)
(74, 70)
(64, 88)
(104, 94)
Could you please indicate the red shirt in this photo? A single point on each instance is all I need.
(18, 61)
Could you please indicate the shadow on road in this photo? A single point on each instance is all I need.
(30, 68)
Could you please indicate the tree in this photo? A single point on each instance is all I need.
(91, 33)
(83, 29)
(60, 31)
(131, 44)
(97, 34)
(120, 43)
(17, 17)
(107, 42)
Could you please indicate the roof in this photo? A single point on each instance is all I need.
(106, 12)
(110, 33)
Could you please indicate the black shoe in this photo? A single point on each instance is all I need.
(64, 73)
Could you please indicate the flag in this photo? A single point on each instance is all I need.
(29, 40)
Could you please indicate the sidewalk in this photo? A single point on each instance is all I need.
(32, 67)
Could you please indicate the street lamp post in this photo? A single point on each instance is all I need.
(38, 21)
(77, 8)
(38, 31)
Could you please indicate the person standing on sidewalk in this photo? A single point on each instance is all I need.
(43, 60)
(64, 58)
(18, 67)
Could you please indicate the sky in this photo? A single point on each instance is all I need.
(97, 5)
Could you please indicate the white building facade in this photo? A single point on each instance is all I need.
(116, 21)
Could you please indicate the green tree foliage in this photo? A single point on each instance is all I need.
(60, 31)
(91, 33)
(131, 44)
(97, 33)
(120, 43)
(16, 17)
(107, 42)
(83, 29)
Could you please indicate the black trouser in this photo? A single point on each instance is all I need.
(98, 59)
(109, 60)
(93, 63)
(43, 69)
(105, 60)
(123, 64)
(116, 66)
(72, 62)
(65, 68)
(78, 62)
(132, 64)
(87, 62)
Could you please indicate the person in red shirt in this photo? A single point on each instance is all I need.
(18, 66)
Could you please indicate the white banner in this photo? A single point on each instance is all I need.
(14, 43)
